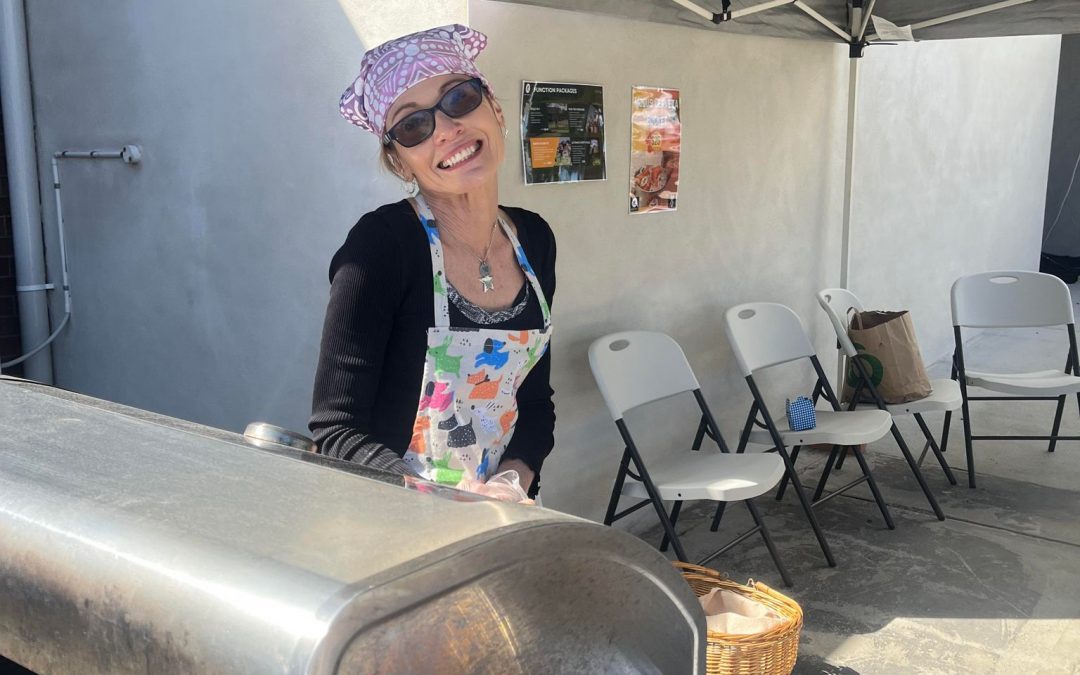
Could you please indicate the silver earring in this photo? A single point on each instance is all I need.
(411, 187)
(506, 131)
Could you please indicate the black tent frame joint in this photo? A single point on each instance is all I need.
(724, 14)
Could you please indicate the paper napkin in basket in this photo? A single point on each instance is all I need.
(734, 614)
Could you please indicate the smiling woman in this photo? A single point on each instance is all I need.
(434, 355)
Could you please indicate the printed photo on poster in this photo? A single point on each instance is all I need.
(655, 144)
(562, 132)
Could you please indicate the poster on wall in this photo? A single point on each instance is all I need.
(562, 132)
(655, 144)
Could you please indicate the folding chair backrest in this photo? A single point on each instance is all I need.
(837, 302)
(1011, 299)
(764, 334)
(633, 368)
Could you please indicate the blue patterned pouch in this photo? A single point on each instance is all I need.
(800, 414)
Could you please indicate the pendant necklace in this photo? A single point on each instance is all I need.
(486, 280)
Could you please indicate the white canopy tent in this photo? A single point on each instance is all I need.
(856, 23)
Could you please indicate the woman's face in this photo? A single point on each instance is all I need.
(462, 154)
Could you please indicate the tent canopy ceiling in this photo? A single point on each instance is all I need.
(788, 20)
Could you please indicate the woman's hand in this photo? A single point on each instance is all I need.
(525, 474)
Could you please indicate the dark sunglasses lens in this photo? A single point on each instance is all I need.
(415, 128)
(462, 99)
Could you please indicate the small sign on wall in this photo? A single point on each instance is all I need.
(655, 145)
(562, 132)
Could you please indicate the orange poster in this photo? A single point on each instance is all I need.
(655, 144)
(544, 152)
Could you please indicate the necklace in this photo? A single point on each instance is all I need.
(486, 280)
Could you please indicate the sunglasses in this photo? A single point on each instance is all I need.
(418, 126)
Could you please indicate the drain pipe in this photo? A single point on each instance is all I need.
(23, 182)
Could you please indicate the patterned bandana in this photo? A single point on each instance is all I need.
(389, 69)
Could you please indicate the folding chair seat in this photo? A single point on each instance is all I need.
(838, 428)
(944, 394)
(1038, 383)
(1013, 299)
(764, 334)
(705, 475)
(635, 368)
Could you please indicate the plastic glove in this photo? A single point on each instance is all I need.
(503, 486)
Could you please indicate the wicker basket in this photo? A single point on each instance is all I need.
(770, 653)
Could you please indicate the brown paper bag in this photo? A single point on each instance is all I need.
(888, 349)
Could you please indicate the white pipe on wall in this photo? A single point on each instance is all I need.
(130, 154)
(23, 183)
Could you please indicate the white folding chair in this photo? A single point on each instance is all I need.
(635, 368)
(764, 334)
(1014, 299)
(944, 394)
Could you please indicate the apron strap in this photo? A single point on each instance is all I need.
(530, 275)
(438, 267)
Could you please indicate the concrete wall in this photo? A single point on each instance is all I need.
(200, 276)
(1064, 238)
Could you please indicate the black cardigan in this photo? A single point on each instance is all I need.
(374, 341)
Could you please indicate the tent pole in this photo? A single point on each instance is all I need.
(849, 171)
(849, 177)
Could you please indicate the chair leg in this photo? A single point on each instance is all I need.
(760, 522)
(808, 509)
(700, 435)
(744, 435)
(784, 481)
(934, 447)
(825, 474)
(841, 458)
(874, 488)
(918, 473)
(966, 412)
(789, 467)
(945, 431)
(717, 516)
(1057, 422)
(616, 491)
(675, 509)
(922, 455)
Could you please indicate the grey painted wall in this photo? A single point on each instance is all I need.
(1063, 238)
(200, 277)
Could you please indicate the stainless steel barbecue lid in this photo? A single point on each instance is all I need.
(132, 542)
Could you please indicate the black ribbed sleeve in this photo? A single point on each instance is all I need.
(374, 341)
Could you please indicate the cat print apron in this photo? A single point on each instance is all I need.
(468, 396)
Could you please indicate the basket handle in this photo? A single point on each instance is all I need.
(769, 590)
(690, 568)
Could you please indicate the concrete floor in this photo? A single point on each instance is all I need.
(993, 589)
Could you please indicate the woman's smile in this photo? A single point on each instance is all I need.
(462, 154)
